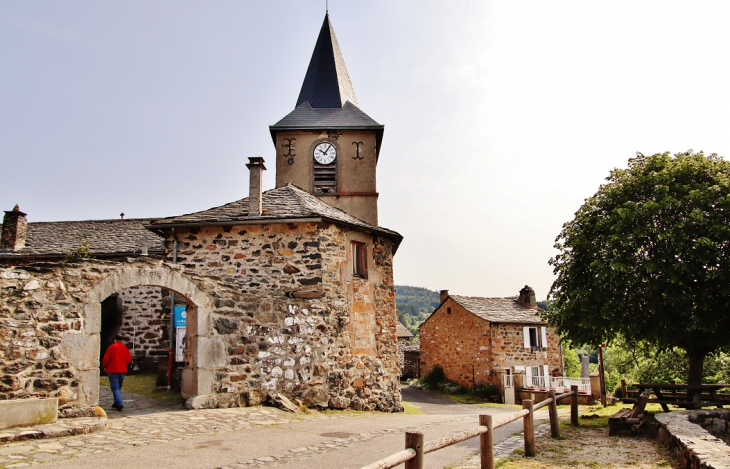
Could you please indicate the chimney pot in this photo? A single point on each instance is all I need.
(15, 227)
(527, 297)
(256, 167)
(443, 294)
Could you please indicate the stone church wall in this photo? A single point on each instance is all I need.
(291, 317)
(282, 312)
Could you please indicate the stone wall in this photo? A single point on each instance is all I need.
(693, 445)
(471, 349)
(146, 322)
(293, 319)
(273, 308)
(50, 325)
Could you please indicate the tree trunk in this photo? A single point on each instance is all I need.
(696, 367)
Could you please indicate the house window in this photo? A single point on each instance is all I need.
(359, 260)
(535, 337)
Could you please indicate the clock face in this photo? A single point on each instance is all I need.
(325, 153)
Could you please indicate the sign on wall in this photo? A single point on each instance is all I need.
(181, 316)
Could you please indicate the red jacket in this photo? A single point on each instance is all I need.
(116, 358)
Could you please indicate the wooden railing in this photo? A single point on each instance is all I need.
(412, 456)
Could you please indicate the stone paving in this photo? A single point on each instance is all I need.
(143, 421)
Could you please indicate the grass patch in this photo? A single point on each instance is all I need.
(144, 385)
(410, 409)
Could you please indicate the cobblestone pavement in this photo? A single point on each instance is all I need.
(143, 421)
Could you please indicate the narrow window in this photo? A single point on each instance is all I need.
(533, 338)
(359, 260)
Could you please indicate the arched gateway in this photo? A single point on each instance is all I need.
(198, 373)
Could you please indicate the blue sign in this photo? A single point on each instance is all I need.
(181, 316)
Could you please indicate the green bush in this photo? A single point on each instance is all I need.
(484, 391)
(449, 387)
(434, 377)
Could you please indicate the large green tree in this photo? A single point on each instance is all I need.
(647, 258)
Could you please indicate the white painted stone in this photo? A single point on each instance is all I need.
(32, 285)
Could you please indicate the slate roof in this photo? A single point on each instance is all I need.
(327, 99)
(504, 310)
(287, 202)
(304, 116)
(327, 83)
(402, 331)
(105, 238)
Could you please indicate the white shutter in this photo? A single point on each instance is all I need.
(546, 371)
(528, 376)
(526, 334)
(543, 331)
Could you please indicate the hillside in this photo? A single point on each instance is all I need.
(414, 305)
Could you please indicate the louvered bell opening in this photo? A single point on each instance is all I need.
(325, 178)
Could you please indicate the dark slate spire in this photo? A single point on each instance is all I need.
(327, 83)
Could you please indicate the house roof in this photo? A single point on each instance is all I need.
(287, 203)
(504, 310)
(104, 238)
(402, 331)
(327, 83)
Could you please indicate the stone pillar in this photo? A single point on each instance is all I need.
(584, 366)
(256, 168)
(15, 227)
(442, 295)
(595, 386)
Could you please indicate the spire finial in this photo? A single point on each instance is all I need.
(326, 7)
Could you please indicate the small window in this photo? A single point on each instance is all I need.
(359, 260)
(448, 310)
(535, 338)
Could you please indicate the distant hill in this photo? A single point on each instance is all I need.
(414, 305)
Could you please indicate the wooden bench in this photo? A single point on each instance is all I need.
(629, 420)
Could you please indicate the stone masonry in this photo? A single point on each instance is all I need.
(292, 318)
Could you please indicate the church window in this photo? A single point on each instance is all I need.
(359, 260)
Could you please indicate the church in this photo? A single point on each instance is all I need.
(287, 291)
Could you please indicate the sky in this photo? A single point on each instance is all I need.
(500, 118)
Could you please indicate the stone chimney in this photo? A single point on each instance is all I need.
(15, 226)
(256, 168)
(443, 295)
(527, 297)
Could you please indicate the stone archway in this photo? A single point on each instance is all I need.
(198, 374)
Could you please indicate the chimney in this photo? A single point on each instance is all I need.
(256, 168)
(527, 297)
(443, 295)
(15, 227)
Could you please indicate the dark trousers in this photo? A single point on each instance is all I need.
(115, 382)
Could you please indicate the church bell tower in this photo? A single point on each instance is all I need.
(327, 145)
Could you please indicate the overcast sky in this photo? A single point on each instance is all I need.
(500, 117)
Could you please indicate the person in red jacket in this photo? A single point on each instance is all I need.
(115, 362)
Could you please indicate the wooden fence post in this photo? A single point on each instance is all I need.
(624, 393)
(554, 422)
(574, 406)
(529, 428)
(415, 440)
(486, 442)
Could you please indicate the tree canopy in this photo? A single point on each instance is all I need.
(647, 258)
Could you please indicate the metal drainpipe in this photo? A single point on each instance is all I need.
(171, 352)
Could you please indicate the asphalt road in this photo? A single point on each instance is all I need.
(344, 442)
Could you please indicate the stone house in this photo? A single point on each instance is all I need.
(288, 290)
(487, 340)
(404, 336)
